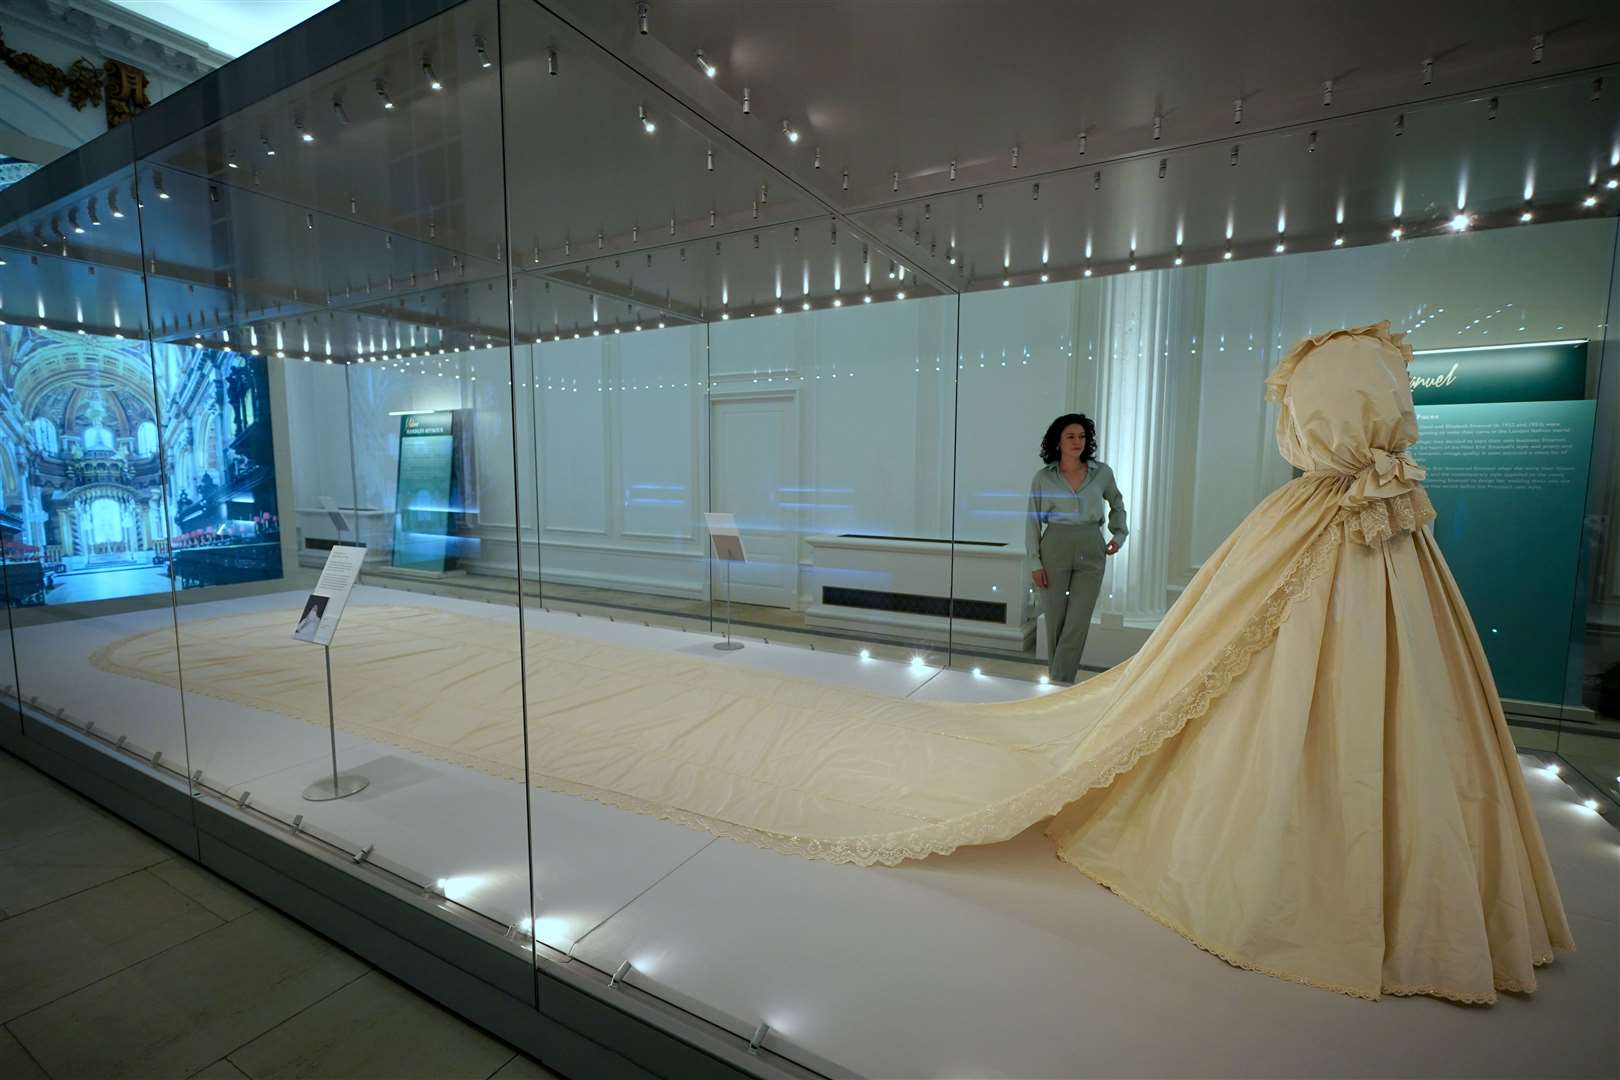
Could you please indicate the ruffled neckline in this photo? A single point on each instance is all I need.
(1277, 381)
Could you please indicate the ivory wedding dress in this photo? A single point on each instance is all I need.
(1305, 770)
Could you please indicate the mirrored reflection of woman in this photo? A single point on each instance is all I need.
(1069, 501)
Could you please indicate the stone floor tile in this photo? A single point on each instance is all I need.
(373, 1029)
(180, 1011)
(50, 867)
(207, 888)
(15, 1064)
(61, 947)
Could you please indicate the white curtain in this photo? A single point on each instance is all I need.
(1141, 334)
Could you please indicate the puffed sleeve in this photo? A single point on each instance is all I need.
(1116, 509)
(1032, 521)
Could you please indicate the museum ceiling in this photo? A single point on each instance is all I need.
(886, 151)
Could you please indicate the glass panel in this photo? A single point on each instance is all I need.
(1589, 735)
(329, 305)
(87, 568)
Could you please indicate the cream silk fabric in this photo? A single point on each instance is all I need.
(1305, 770)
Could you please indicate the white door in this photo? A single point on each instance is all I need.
(753, 446)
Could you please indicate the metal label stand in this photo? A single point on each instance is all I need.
(339, 785)
(728, 645)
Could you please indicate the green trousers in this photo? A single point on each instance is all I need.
(1073, 558)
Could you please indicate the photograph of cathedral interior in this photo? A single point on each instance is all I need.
(811, 539)
(101, 501)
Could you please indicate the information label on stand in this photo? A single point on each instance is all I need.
(727, 540)
(319, 619)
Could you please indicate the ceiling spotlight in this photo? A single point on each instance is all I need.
(1338, 238)
(340, 112)
(1526, 215)
(641, 18)
(112, 204)
(747, 102)
(303, 133)
(838, 301)
(432, 79)
(483, 54)
(1006, 282)
(1087, 271)
(1491, 108)
(1046, 277)
(382, 92)
(1281, 246)
(779, 309)
(95, 219)
(1460, 222)
(1226, 256)
(867, 299)
(900, 295)
(73, 220)
(157, 185)
(790, 132)
(269, 147)
(1612, 183)
(1177, 260)
(953, 170)
(703, 65)
(230, 161)
(806, 305)
(1400, 124)
(551, 63)
(1590, 200)
(1397, 232)
(1132, 265)
(647, 124)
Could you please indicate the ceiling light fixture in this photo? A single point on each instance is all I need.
(647, 124)
(1397, 232)
(303, 133)
(704, 66)
(483, 54)
(551, 69)
(1338, 238)
(382, 93)
(95, 219)
(157, 184)
(269, 147)
(748, 102)
(73, 222)
(1460, 222)
(433, 80)
(642, 23)
(790, 132)
(112, 204)
(1528, 214)
(340, 112)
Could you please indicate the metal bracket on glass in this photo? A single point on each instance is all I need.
(365, 853)
(242, 800)
(759, 1037)
(157, 759)
(619, 976)
(90, 728)
(122, 739)
(196, 777)
(61, 712)
(298, 823)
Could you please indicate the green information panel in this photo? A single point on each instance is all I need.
(422, 498)
(1508, 480)
(1547, 371)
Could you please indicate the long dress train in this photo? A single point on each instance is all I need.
(1305, 770)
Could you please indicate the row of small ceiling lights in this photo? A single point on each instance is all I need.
(1460, 221)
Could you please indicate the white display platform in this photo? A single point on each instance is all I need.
(995, 961)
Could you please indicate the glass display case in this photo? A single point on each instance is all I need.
(371, 433)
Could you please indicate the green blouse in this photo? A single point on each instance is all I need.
(1053, 502)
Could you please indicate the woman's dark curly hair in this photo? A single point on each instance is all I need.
(1049, 442)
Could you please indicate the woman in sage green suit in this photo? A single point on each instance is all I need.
(1069, 501)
